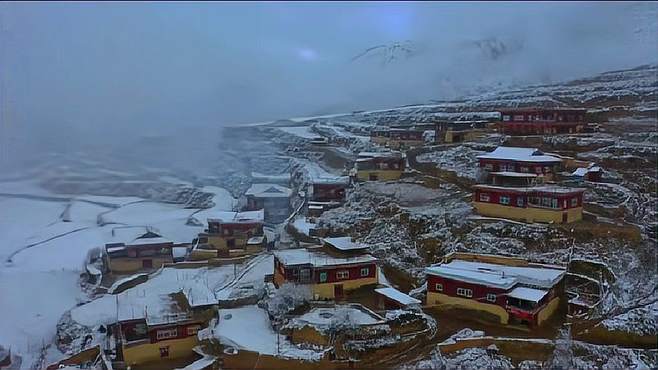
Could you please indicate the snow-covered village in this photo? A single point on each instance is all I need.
(507, 228)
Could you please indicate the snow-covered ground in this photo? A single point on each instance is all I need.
(45, 241)
(249, 328)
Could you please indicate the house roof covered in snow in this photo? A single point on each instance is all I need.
(371, 155)
(228, 217)
(139, 243)
(317, 258)
(337, 180)
(497, 275)
(514, 174)
(344, 243)
(155, 309)
(397, 296)
(527, 294)
(510, 153)
(269, 191)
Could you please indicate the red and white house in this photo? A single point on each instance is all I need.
(540, 121)
(516, 292)
(521, 160)
(329, 275)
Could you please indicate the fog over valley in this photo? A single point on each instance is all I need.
(101, 76)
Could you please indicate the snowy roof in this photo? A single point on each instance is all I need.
(236, 217)
(338, 180)
(513, 174)
(155, 309)
(269, 191)
(370, 155)
(317, 258)
(325, 317)
(256, 239)
(543, 109)
(397, 296)
(527, 294)
(155, 240)
(496, 275)
(580, 171)
(344, 243)
(249, 328)
(519, 154)
(138, 243)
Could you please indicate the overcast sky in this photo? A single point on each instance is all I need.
(106, 67)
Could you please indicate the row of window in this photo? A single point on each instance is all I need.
(165, 334)
(508, 167)
(468, 293)
(344, 274)
(547, 202)
(537, 117)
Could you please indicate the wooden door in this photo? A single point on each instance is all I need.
(338, 291)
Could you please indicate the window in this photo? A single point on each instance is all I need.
(554, 203)
(305, 275)
(506, 117)
(484, 197)
(488, 167)
(137, 331)
(574, 202)
(365, 271)
(491, 297)
(345, 274)
(192, 330)
(538, 170)
(230, 243)
(519, 202)
(525, 169)
(167, 334)
(468, 293)
(438, 287)
(519, 117)
(545, 202)
(226, 232)
(323, 277)
(504, 199)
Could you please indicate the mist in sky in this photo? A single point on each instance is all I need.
(100, 73)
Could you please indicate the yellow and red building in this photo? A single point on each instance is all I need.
(542, 121)
(398, 138)
(379, 166)
(231, 234)
(150, 251)
(520, 160)
(330, 271)
(509, 290)
(530, 204)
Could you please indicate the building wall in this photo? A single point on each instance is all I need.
(548, 311)
(479, 291)
(434, 298)
(354, 272)
(132, 264)
(536, 168)
(382, 175)
(308, 334)
(529, 214)
(150, 352)
(326, 290)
